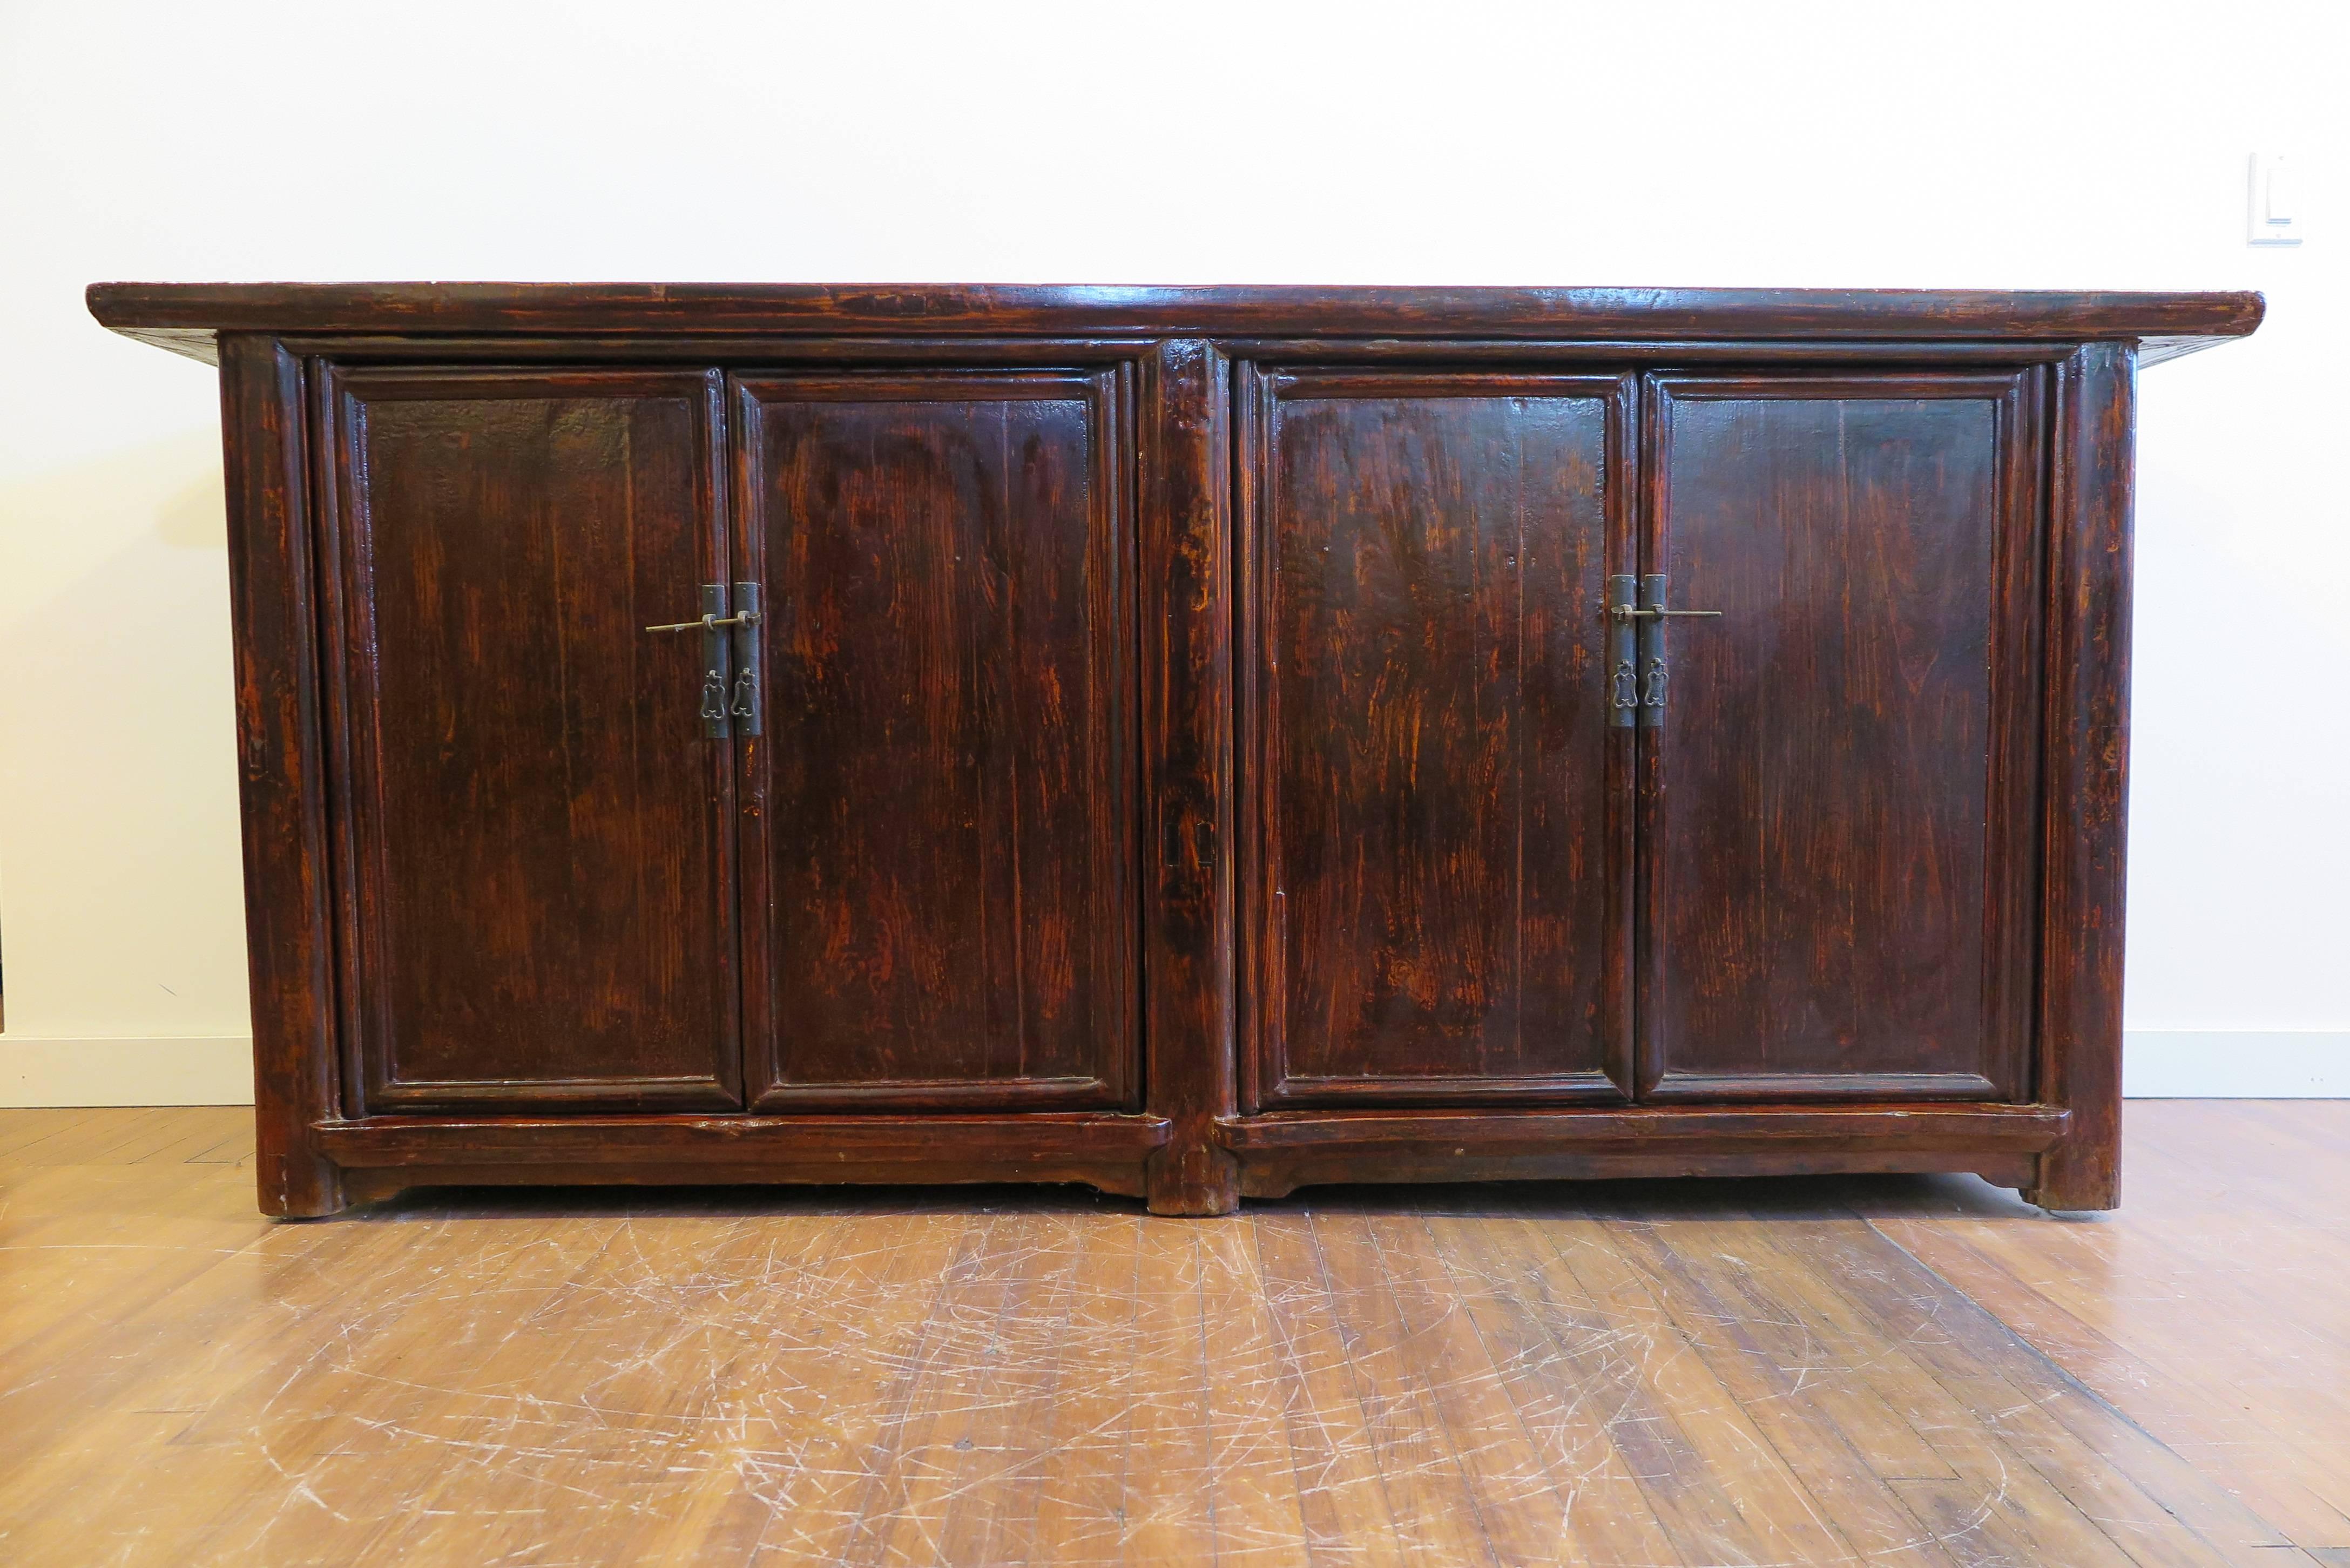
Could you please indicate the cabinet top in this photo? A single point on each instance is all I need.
(187, 316)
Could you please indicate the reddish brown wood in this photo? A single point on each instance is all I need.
(1277, 1173)
(1108, 1152)
(939, 830)
(1829, 839)
(1882, 850)
(403, 309)
(1287, 1149)
(538, 898)
(1925, 1124)
(1186, 750)
(808, 1162)
(1435, 901)
(281, 774)
(767, 349)
(1105, 1150)
(2080, 1054)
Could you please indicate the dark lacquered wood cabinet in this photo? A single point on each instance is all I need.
(1200, 743)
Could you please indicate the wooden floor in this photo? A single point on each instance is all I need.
(1902, 1371)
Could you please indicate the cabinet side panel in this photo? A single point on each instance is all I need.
(281, 773)
(2089, 774)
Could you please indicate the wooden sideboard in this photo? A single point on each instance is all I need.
(1197, 741)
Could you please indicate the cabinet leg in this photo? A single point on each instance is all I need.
(2076, 1180)
(300, 1187)
(1193, 1177)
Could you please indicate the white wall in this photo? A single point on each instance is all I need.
(2037, 144)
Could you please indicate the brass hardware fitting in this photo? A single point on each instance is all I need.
(711, 622)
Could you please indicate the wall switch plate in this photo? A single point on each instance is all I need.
(2275, 215)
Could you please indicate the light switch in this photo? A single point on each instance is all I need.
(2275, 217)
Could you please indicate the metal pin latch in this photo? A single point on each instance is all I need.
(1623, 653)
(716, 654)
(1647, 611)
(711, 622)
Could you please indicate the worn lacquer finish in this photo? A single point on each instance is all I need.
(1183, 763)
(537, 902)
(939, 829)
(1437, 889)
(1190, 955)
(1836, 803)
(184, 316)
(1880, 1371)
(282, 770)
(2087, 718)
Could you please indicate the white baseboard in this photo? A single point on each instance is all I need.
(217, 1070)
(192, 1070)
(2236, 1063)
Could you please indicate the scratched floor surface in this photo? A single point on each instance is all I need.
(1799, 1372)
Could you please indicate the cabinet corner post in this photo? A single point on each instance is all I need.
(2087, 774)
(273, 576)
(1187, 752)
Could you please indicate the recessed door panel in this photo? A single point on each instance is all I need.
(1836, 803)
(534, 871)
(1435, 878)
(940, 836)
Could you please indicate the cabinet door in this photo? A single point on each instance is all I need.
(534, 877)
(1835, 833)
(1435, 879)
(939, 824)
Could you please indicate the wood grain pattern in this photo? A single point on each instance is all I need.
(1190, 954)
(282, 770)
(1834, 852)
(1300, 342)
(2210, 1312)
(1912, 1371)
(1283, 1151)
(939, 835)
(1056, 771)
(2087, 718)
(852, 309)
(539, 900)
(1435, 882)
(1107, 1151)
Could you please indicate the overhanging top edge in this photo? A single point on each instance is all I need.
(425, 309)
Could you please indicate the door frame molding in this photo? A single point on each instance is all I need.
(1265, 1083)
(359, 856)
(1107, 391)
(2012, 818)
